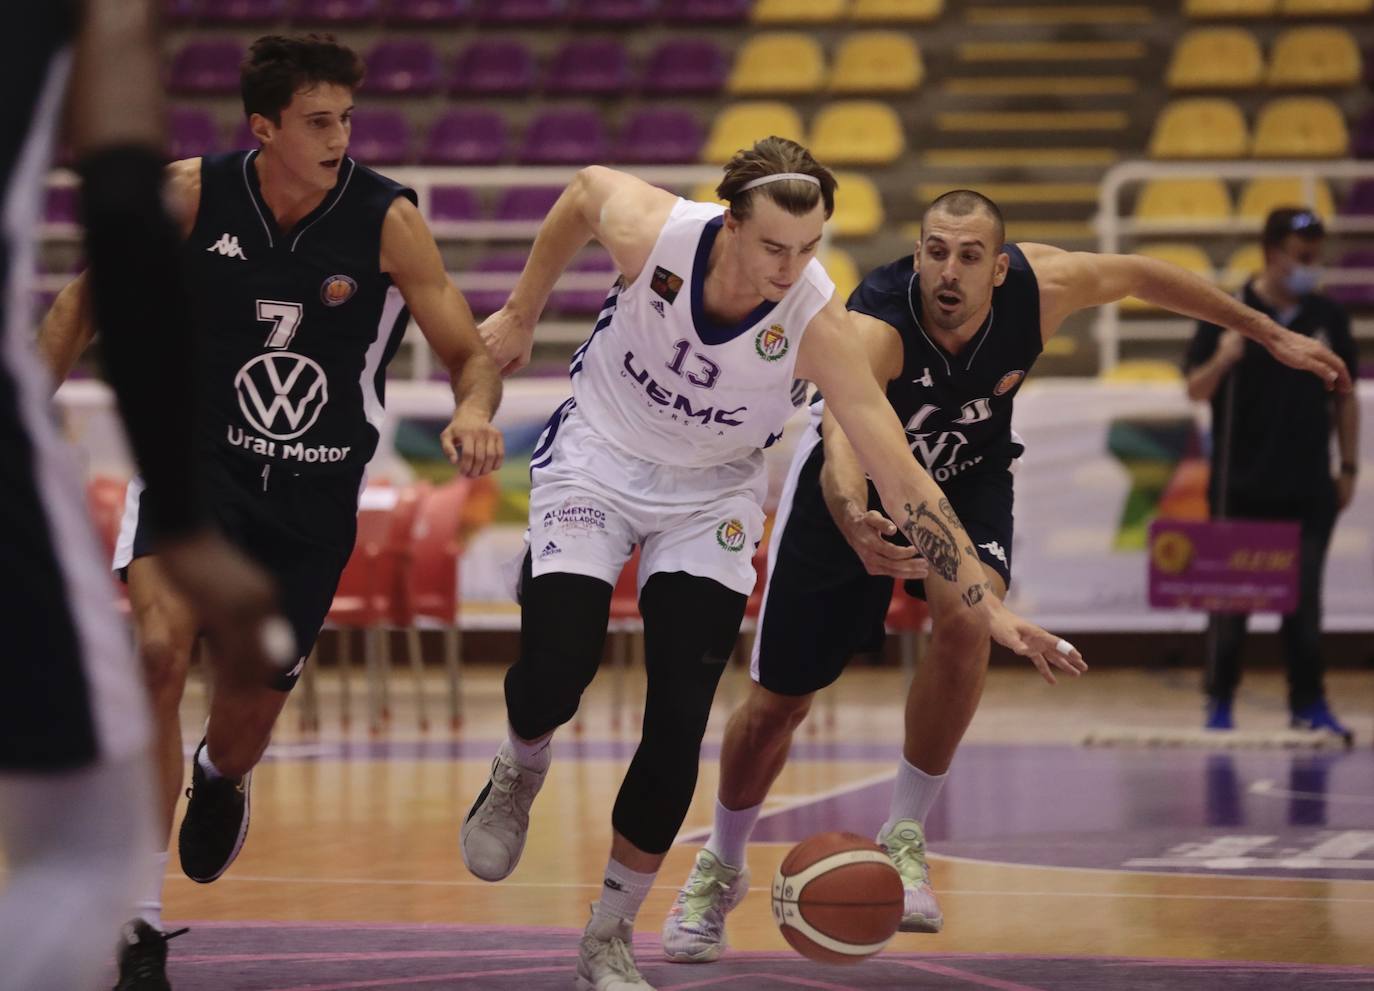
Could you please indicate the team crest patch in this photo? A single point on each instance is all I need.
(665, 283)
(731, 536)
(1008, 382)
(337, 290)
(772, 343)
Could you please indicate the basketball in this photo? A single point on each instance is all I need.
(837, 898)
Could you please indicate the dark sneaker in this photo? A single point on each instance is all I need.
(216, 823)
(1219, 715)
(1319, 718)
(143, 958)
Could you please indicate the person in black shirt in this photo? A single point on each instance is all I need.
(951, 333)
(1271, 430)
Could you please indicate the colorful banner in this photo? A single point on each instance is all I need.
(1226, 566)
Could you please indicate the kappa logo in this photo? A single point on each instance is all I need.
(296, 671)
(228, 246)
(282, 393)
(657, 304)
(997, 551)
(924, 380)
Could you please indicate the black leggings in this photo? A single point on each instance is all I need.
(690, 628)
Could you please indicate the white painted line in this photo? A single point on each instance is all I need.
(797, 802)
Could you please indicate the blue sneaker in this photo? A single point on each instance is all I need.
(1219, 714)
(1319, 718)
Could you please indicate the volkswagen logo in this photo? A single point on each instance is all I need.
(282, 393)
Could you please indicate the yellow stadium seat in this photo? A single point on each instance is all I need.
(1183, 199)
(1216, 58)
(1230, 8)
(877, 62)
(705, 192)
(1314, 57)
(1300, 127)
(778, 62)
(1187, 256)
(857, 132)
(741, 124)
(843, 272)
(1263, 195)
(1136, 370)
(1326, 8)
(798, 11)
(1202, 127)
(858, 207)
(893, 11)
(1243, 263)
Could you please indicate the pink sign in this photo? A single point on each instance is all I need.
(1227, 566)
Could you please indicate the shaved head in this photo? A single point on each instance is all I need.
(963, 203)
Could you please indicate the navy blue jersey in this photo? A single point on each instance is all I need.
(296, 327)
(957, 408)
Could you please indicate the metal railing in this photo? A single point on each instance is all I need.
(1115, 229)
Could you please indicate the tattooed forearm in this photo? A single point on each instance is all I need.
(948, 512)
(933, 538)
(974, 595)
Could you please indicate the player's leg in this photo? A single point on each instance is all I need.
(691, 624)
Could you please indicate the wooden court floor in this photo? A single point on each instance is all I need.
(1058, 865)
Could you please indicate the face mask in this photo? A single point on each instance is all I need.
(1302, 279)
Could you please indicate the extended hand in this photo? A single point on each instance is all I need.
(1030, 641)
(865, 532)
(509, 340)
(472, 444)
(1298, 351)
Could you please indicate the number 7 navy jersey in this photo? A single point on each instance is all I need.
(296, 327)
(957, 408)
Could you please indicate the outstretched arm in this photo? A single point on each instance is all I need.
(1076, 280)
(411, 257)
(623, 213)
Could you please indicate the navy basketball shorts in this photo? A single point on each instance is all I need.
(299, 528)
(821, 607)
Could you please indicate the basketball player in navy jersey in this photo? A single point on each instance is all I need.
(688, 374)
(303, 265)
(950, 335)
(75, 774)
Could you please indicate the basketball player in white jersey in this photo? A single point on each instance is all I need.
(687, 376)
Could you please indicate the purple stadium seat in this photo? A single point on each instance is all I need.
(585, 301)
(590, 67)
(429, 12)
(527, 202)
(179, 11)
(613, 11)
(660, 137)
(692, 65)
(709, 11)
(450, 204)
(488, 301)
(243, 11)
(206, 67)
(494, 67)
(191, 132)
(243, 137)
(530, 13)
(1355, 295)
(1362, 145)
(60, 205)
(337, 11)
(410, 67)
(466, 137)
(380, 137)
(565, 137)
(1360, 202)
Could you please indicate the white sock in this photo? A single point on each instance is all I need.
(535, 756)
(913, 794)
(207, 765)
(730, 833)
(149, 906)
(622, 892)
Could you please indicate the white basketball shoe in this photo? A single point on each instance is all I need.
(493, 835)
(605, 959)
(694, 931)
(906, 847)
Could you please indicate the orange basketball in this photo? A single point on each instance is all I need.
(837, 898)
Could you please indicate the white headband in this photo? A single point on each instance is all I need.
(778, 177)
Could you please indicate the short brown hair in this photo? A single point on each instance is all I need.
(772, 156)
(278, 67)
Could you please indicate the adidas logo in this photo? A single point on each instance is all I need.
(657, 304)
(228, 246)
(550, 549)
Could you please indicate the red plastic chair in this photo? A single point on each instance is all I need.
(105, 502)
(909, 618)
